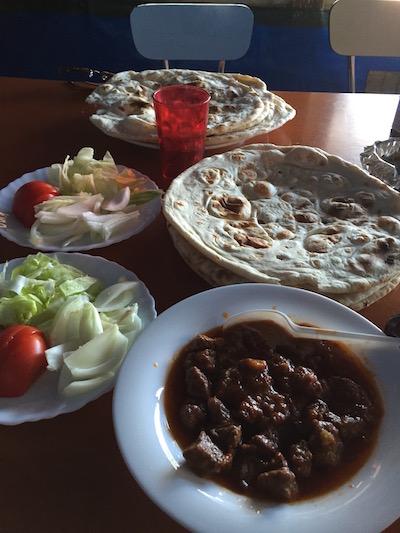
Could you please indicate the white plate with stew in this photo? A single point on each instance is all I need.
(368, 502)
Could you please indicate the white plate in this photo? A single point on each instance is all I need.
(368, 504)
(42, 400)
(230, 144)
(14, 231)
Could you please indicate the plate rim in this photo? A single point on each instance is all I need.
(207, 148)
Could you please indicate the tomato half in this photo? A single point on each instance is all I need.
(29, 195)
(22, 359)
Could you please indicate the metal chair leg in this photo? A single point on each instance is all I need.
(351, 73)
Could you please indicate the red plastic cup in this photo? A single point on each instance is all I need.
(181, 117)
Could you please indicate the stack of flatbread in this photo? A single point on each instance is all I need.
(241, 107)
(294, 216)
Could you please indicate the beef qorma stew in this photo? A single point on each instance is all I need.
(285, 420)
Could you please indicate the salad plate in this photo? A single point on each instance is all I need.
(42, 400)
(368, 502)
(14, 231)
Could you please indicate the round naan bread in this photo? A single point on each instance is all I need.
(240, 106)
(292, 215)
(216, 275)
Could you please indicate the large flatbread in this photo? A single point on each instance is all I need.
(216, 275)
(294, 216)
(241, 106)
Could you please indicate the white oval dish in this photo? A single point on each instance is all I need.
(42, 400)
(369, 503)
(217, 146)
(14, 231)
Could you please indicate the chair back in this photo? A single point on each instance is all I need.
(188, 31)
(364, 28)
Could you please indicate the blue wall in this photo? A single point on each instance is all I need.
(285, 57)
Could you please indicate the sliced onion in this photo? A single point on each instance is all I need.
(92, 203)
(75, 388)
(116, 296)
(118, 201)
(111, 224)
(55, 354)
(99, 355)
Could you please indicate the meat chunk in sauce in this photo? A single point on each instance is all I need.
(325, 444)
(197, 383)
(204, 457)
(262, 420)
(300, 459)
(280, 483)
(192, 415)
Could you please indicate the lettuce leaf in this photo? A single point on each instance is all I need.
(37, 283)
(85, 174)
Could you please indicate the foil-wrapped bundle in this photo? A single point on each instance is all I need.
(382, 159)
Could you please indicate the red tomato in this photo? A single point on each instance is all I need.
(29, 195)
(22, 359)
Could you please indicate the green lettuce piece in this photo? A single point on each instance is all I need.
(18, 310)
(85, 174)
(38, 287)
(140, 198)
(79, 285)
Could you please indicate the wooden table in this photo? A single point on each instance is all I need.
(66, 474)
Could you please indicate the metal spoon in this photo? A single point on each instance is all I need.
(308, 332)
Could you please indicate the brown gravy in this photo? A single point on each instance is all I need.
(333, 358)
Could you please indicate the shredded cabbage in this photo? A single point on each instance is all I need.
(84, 174)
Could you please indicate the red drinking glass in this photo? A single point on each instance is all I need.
(181, 117)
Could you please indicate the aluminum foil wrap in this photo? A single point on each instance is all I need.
(382, 160)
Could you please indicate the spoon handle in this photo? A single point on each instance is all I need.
(309, 332)
(331, 335)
